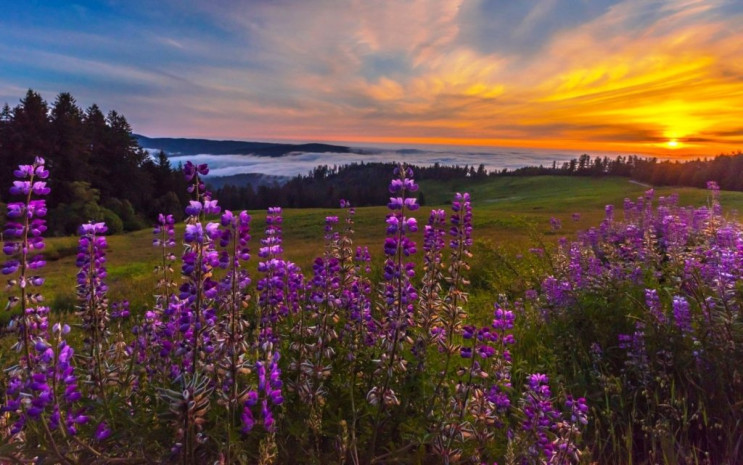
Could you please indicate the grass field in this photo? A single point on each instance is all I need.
(511, 215)
(565, 332)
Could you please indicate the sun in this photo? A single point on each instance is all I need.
(673, 144)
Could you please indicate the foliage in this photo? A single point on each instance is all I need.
(332, 366)
(644, 314)
(640, 315)
(723, 169)
(88, 152)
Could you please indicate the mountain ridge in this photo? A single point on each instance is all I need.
(187, 146)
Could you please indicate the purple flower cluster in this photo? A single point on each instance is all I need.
(268, 395)
(205, 358)
(164, 231)
(196, 305)
(157, 334)
(279, 291)
(91, 284)
(540, 417)
(682, 314)
(399, 295)
(50, 393)
(554, 436)
(431, 301)
(233, 240)
(461, 222)
(43, 386)
(23, 232)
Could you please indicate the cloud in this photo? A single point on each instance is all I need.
(303, 163)
(617, 75)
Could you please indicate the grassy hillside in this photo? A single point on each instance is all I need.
(639, 322)
(510, 216)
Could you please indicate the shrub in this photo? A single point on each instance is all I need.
(646, 313)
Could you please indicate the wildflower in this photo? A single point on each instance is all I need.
(682, 314)
(102, 432)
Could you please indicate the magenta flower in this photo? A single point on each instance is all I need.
(194, 208)
(102, 432)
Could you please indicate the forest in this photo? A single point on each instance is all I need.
(326, 185)
(724, 169)
(100, 172)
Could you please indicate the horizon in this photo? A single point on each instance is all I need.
(442, 147)
(651, 77)
(494, 159)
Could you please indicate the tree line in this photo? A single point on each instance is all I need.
(100, 173)
(725, 169)
(98, 170)
(326, 185)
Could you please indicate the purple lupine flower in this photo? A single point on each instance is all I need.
(575, 266)
(20, 188)
(10, 267)
(280, 288)
(431, 302)
(194, 233)
(194, 208)
(485, 351)
(211, 207)
(91, 294)
(540, 417)
(190, 170)
(399, 294)
(246, 417)
(682, 314)
(568, 431)
(578, 409)
(609, 210)
(637, 357)
(461, 222)
(102, 432)
(196, 316)
(504, 319)
(23, 235)
(120, 310)
(269, 390)
(653, 303)
(395, 203)
(24, 171)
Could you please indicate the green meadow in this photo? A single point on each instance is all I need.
(514, 250)
(511, 216)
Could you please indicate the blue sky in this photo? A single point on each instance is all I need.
(645, 75)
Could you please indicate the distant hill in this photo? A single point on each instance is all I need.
(173, 146)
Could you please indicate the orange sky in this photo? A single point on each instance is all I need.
(646, 76)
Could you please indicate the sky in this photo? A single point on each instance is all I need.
(646, 76)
